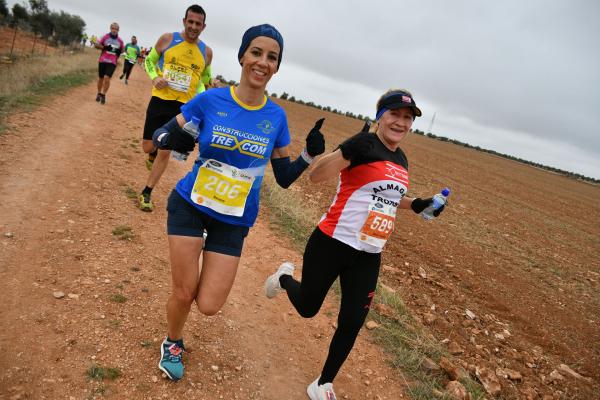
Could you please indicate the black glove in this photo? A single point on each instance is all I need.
(179, 141)
(315, 142)
(107, 47)
(419, 204)
(358, 145)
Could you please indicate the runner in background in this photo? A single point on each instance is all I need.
(178, 65)
(373, 182)
(142, 56)
(112, 46)
(132, 52)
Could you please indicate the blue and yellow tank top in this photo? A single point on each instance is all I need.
(235, 144)
(181, 65)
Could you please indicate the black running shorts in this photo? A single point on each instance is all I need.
(186, 220)
(159, 112)
(106, 69)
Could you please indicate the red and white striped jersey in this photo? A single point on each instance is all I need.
(369, 191)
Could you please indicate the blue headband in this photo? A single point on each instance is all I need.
(261, 30)
(380, 113)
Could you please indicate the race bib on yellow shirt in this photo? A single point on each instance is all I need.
(379, 224)
(178, 78)
(222, 188)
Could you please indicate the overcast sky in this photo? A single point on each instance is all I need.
(521, 77)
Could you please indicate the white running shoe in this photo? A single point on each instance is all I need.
(272, 285)
(320, 392)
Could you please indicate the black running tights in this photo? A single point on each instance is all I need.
(127, 67)
(325, 259)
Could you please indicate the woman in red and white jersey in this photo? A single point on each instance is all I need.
(347, 243)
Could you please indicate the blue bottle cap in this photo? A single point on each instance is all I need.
(445, 192)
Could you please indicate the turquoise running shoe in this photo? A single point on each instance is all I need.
(171, 359)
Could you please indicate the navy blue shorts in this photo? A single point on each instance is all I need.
(186, 220)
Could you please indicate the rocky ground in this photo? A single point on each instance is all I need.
(508, 279)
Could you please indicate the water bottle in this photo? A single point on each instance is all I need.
(438, 201)
(191, 128)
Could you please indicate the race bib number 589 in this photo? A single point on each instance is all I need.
(379, 224)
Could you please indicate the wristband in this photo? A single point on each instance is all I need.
(306, 157)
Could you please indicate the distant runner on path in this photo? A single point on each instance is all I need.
(347, 243)
(178, 65)
(112, 46)
(132, 52)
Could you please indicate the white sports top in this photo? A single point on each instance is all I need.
(369, 191)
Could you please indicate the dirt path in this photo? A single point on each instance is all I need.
(65, 171)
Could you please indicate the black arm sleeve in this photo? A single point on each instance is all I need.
(287, 172)
(161, 137)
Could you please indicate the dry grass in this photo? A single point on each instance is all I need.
(123, 232)
(99, 373)
(408, 343)
(21, 75)
(26, 83)
(296, 221)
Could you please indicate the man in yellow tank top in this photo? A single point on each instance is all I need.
(179, 66)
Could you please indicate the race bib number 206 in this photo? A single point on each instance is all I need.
(222, 188)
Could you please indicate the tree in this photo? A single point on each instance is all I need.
(3, 11)
(19, 15)
(77, 28)
(39, 20)
(67, 28)
(38, 6)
